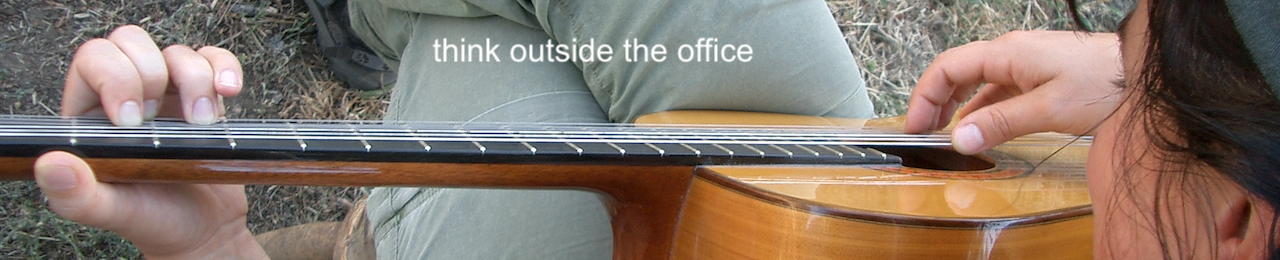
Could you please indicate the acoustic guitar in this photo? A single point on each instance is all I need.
(735, 186)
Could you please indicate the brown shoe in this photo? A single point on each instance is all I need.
(350, 239)
(306, 241)
(356, 242)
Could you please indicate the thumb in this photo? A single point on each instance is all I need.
(1000, 122)
(73, 192)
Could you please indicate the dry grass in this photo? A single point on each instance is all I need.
(893, 39)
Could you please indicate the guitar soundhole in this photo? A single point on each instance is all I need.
(940, 159)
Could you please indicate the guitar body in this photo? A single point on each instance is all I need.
(1002, 211)
(674, 193)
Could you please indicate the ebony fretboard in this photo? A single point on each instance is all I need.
(378, 141)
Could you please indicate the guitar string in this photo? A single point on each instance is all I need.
(43, 126)
(630, 138)
(830, 140)
(625, 131)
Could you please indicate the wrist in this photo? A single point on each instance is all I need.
(227, 243)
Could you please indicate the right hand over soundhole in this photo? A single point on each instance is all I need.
(1035, 81)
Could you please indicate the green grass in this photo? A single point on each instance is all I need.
(28, 230)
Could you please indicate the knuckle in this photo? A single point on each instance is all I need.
(177, 48)
(947, 54)
(94, 45)
(116, 84)
(127, 30)
(1016, 36)
(213, 50)
(1000, 123)
(191, 77)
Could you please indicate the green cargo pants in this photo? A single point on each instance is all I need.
(799, 63)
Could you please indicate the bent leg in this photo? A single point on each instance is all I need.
(800, 64)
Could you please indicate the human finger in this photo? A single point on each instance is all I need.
(98, 78)
(228, 73)
(193, 79)
(987, 95)
(996, 123)
(944, 85)
(146, 58)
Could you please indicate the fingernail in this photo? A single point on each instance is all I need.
(129, 114)
(228, 78)
(55, 177)
(202, 112)
(152, 108)
(968, 139)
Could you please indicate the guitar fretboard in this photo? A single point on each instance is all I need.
(451, 142)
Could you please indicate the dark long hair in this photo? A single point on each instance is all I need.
(1209, 115)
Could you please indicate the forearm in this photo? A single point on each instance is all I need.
(233, 243)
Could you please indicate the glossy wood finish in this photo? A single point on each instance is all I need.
(1023, 207)
(720, 222)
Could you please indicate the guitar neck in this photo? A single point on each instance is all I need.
(444, 142)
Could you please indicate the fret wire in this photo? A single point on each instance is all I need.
(815, 153)
(696, 152)
(155, 139)
(299, 138)
(753, 149)
(788, 152)
(655, 148)
(567, 142)
(615, 146)
(367, 147)
(838, 153)
(531, 149)
(882, 154)
(717, 145)
(414, 135)
(230, 141)
(860, 153)
(473, 142)
(575, 147)
(74, 138)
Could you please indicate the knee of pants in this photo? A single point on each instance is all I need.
(829, 88)
(798, 61)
